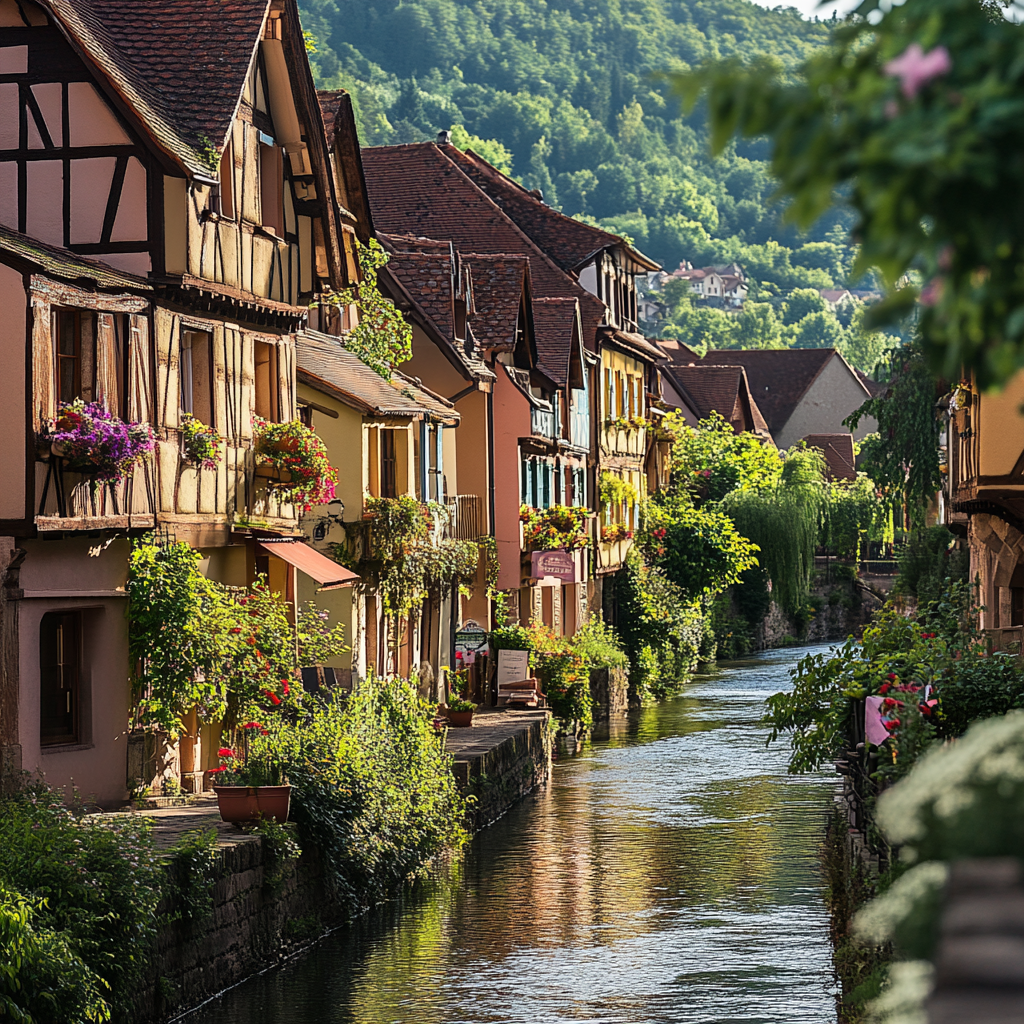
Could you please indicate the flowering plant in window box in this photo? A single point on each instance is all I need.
(295, 450)
(555, 528)
(616, 532)
(201, 445)
(95, 442)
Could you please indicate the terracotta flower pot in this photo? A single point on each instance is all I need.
(239, 804)
(460, 719)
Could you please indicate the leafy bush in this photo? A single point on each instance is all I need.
(373, 788)
(598, 645)
(190, 874)
(94, 883)
(42, 979)
(927, 561)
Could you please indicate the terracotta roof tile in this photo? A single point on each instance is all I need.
(180, 64)
(568, 241)
(636, 344)
(420, 190)
(779, 378)
(838, 452)
(499, 282)
(326, 365)
(554, 324)
(68, 266)
(718, 389)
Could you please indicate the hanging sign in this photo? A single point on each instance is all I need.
(471, 639)
(559, 564)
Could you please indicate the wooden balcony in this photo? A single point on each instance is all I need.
(467, 521)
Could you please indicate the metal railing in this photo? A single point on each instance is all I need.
(466, 521)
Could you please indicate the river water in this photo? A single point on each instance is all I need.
(668, 873)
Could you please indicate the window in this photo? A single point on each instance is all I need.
(526, 481)
(60, 638)
(272, 187)
(69, 355)
(225, 204)
(388, 465)
(267, 403)
(196, 376)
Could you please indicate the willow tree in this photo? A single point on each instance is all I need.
(785, 521)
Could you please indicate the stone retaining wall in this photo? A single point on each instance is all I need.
(254, 924)
(609, 692)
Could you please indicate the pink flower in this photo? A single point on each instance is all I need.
(915, 68)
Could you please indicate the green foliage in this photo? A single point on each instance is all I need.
(406, 558)
(568, 92)
(599, 646)
(927, 166)
(280, 848)
(698, 549)
(712, 460)
(903, 457)
(382, 338)
(490, 149)
(372, 787)
(42, 979)
(92, 886)
(557, 527)
(191, 875)
(194, 644)
(855, 512)
(298, 451)
(784, 521)
(927, 560)
(201, 444)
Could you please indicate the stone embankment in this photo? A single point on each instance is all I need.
(264, 912)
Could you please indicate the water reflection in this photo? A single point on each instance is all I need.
(668, 874)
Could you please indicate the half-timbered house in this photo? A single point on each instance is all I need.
(168, 214)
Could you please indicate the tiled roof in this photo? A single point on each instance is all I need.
(635, 344)
(874, 387)
(779, 378)
(569, 242)
(675, 351)
(326, 365)
(498, 285)
(418, 189)
(838, 452)
(554, 322)
(68, 266)
(330, 104)
(180, 64)
(717, 389)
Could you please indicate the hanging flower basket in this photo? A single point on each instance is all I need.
(295, 449)
(200, 445)
(94, 442)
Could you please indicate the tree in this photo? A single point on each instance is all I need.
(917, 115)
(818, 330)
(800, 303)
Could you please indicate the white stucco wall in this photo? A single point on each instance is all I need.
(835, 393)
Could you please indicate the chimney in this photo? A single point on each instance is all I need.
(444, 138)
(537, 193)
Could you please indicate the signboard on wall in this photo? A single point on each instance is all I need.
(561, 565)
(513, 666)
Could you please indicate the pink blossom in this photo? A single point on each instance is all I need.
(931, 293)
(915, 68)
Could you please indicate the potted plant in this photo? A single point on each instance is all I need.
(250, 788)
(95, 442)
(304, 474)
(200, 444)
(460, 711)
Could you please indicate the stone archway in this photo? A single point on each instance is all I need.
(1005, 542)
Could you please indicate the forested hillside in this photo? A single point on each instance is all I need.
(562, 94)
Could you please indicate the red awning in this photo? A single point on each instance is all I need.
(327, 573)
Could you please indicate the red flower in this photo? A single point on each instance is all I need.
(458, 655)
(272, 697)
(891, 676)
(884, 688)
(264, 732)
(225, 752)
(236, 629)
(251, 640)
(287, 689)
(213, 771)
(252, 725)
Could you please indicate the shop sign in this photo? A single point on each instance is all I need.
(472, 638)
(559, 564)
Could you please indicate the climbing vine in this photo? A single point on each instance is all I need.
(382, 338)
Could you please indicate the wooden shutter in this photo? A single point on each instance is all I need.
(106, 364)
(43, 398)
(140, 372)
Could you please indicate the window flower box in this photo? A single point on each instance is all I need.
(94, 442)
(295, 449)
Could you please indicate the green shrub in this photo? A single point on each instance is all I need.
(42, 979)
(927, 561)
(373, 788)
(94, 881)
(599, 646)
(190, 875)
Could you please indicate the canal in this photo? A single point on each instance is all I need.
(667, 874)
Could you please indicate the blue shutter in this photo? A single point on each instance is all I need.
(439, 478)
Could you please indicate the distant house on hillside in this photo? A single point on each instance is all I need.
(836, 297)
(838, 452)
(697, 390)
(801, 391)
(725, 285)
